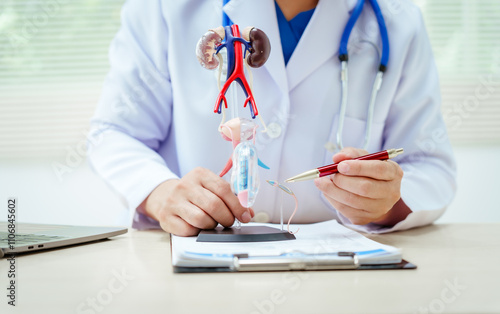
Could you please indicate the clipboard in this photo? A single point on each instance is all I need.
(294, 262)
(320, 246)
(404, 264)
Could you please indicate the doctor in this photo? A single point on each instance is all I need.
(159, 146)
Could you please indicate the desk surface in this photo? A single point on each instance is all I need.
(458, 272)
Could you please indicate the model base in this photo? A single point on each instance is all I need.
(244, 234)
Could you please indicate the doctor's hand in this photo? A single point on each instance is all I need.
(200, 200)
(365, 191)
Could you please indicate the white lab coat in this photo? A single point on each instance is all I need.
(155, 119)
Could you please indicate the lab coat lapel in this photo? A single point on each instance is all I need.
(261, 14)
(320, 40)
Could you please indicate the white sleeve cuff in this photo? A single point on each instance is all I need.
(413, 220)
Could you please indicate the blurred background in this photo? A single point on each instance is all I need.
(53, 60)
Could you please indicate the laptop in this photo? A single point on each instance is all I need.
(36, 237)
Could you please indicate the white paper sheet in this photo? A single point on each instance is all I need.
(318, 238)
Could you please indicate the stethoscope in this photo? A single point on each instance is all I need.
(343, 57)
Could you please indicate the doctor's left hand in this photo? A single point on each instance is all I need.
(365, 191)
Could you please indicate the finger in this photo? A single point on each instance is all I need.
(376, 169)
(213, 206)
(176, 225)
(355, 216)
(349, 153)
(358, 209)
(329, 188)
(195, 216)
(323, 184)
(221, 188)
(363, 186)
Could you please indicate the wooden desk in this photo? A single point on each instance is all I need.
(458, 272)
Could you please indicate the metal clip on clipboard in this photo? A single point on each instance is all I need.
(284, 262)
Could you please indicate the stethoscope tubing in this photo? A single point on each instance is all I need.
(344, 58)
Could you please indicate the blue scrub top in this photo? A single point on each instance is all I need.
(291, 31)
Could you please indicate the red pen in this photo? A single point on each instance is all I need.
(331, 169)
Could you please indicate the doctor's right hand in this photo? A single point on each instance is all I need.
(199, 200)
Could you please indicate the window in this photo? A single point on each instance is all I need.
(53, 61)
(465, 37)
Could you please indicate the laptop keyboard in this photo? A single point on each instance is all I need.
(25, 239)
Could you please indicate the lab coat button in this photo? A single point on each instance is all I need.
(273, 130)
(261, 217)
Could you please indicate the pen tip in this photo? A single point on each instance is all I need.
(394, 152)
